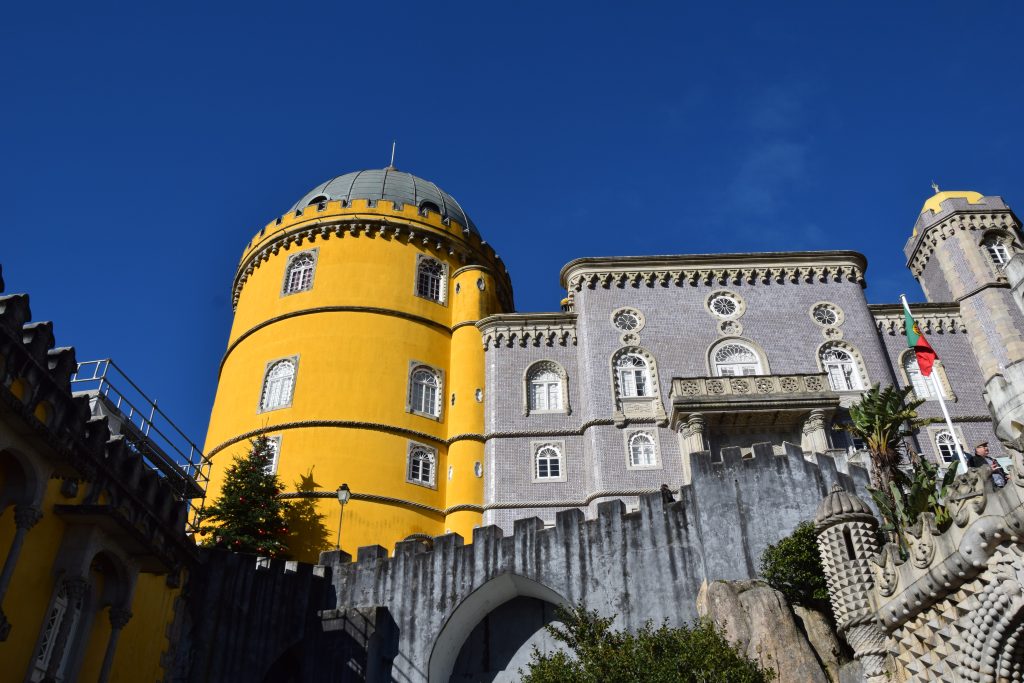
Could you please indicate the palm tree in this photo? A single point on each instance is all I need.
(881, 419)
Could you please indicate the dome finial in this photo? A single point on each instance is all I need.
(391, 166)
(935, 185)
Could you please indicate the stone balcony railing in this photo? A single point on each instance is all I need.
(748, 386)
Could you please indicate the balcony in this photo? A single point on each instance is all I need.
(751, 400)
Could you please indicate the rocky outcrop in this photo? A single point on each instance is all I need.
(822, 636)
(757, 619)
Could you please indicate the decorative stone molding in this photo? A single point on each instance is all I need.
(384, 500)
(637, 408)
(753, 385)
(563, 376)
(528, 329)
(933, 318)
(26, 516)
(993, 214)
(714, 269)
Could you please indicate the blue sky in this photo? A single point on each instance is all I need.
(142, 148)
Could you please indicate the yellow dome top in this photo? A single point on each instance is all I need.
(934, 202)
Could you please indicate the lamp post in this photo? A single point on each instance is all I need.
(343, 496)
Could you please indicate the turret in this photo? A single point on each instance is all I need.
(847, 539)
(353, 349)
(959, 250)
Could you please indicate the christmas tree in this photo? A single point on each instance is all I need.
(247, 517)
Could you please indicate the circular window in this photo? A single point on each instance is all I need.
(628, 319)
(725, 305)
(826, 314)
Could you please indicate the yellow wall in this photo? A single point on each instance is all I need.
(353, 367)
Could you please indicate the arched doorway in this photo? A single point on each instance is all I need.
(491, 633)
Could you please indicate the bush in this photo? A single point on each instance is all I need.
(793, 567)
(698, 653)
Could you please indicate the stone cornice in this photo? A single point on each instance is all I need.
(715, 269)
(941, 318)
(930, 229)
(441, 239)
(526, 329)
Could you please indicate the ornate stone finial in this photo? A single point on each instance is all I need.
(935, 186)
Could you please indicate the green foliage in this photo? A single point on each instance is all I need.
(247, 517)
(793, 567)
(693, 654)
(910, 496)
(307, 534)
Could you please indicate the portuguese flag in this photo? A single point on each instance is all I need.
(916, 340)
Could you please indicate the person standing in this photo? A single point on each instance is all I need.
(982, 459)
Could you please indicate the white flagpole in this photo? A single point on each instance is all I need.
(938, 394)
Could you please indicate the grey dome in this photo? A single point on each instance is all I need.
(391, 185)
(840, 506)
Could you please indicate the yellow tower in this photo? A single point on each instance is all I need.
(354, 350)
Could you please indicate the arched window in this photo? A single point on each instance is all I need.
(278, 385)
(634, 375)
(945, 443)
(298, 276)
(997, 251)
(63, 608)
(422, 464)
(425, 391)
(641, 450)
(841, 368)
(545, 388)
(274, 446)
(734, 359)
(548, 462)
(923, 388)
(430, 277)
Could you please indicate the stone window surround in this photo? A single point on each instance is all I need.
(263, 385)
(415, 365)
(627, 436)
(535, 447)
(741, 304)
(641, 319)
(315, 251)
(410, 447)
(840, 316)
(947, 388)
(443, 297)
(709, 356)
(1002, 237)
(653, 398)
(556, 367)
(858, 362)
(933, 434)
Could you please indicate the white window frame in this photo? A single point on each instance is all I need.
(536, 447)
(630, 436)
(286, 285)
(275, 449)
(933, 435)
(442, 285)
(997, 251)
(856, 362)
(411, 397)
(430, 454)
(746, 369)
(558, 387)
(631, 377)
(265, 387)
(60, 606)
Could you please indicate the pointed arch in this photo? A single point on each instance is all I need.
(844, 366)
(546, 388)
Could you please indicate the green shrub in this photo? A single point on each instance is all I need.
(793, 567)
(698, 653)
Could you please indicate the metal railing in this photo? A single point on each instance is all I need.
(163, 446)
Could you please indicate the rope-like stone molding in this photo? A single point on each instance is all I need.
(338, 424)
(579, 431)
(573, 503)
(464, 323)
(386, 500)
(467, 437)
(373, 310)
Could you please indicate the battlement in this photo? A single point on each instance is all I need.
(369, 218)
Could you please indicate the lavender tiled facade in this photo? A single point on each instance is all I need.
(774, 299)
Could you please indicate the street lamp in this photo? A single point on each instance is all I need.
(343, 496)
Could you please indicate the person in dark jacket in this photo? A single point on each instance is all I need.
(981, 458)
(666, 494)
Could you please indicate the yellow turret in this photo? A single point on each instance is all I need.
(353, 348)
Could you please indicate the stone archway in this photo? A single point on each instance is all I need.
(523, 607)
